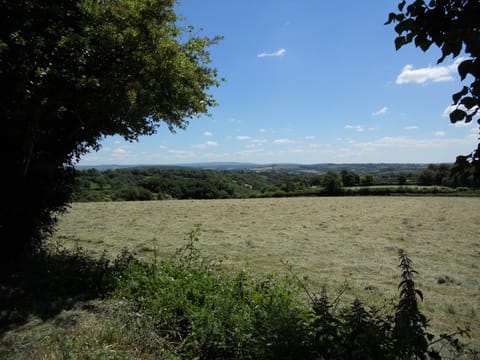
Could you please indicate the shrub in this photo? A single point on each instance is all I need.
(133, 193)
(188, 306)
(207, 313)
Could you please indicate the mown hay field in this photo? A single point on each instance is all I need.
(332, 240)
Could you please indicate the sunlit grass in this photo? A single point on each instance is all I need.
(332, 240)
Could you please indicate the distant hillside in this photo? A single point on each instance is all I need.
(237, 180)
(376, 169)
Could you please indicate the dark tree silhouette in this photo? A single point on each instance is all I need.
(73, 72)
(454, 27)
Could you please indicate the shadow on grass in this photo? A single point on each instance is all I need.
(54, 280)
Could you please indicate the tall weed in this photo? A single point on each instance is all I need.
(207, 313)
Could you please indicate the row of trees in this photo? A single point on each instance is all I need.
(184, 183)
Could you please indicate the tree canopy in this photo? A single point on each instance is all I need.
(454, 27)
(74, 72)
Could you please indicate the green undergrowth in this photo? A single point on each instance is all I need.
(189, 306)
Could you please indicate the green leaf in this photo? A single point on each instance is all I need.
(457, 115)
(401, 5)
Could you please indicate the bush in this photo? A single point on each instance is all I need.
(133, 193)
(206, 313)
(188, 306)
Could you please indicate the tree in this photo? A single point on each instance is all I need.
(367, 180)
(426, 177)
(454, 27)
(349, 178)
(74, 72)
(332, 183)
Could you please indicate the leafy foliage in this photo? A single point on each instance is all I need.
(332, 183)
(206, 313)
(189, 306)
(186, 183)
(73, 72)
(452, 25)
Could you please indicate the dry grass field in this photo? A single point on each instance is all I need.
(337, 240)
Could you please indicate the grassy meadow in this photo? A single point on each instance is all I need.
(332, 240)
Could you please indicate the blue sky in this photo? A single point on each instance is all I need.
(310, 81)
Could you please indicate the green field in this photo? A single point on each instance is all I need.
(333, 240)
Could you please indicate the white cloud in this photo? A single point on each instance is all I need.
(279, 52)
(451, 108)
(120, 152)
(408, 142)
(244, 153)
(412, 127)
(448, 110)
(319, 146)
(283, 142)
(205, 145)
(163, 147)
(208, 133)
(474, 134)
(182, 154)
(310, 137)
(259, 141)
(430, 73)
(117, 142)
(439, 133)
(382, 111)
(358, 128)
(243, 137)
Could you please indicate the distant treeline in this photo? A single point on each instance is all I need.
(152, 183)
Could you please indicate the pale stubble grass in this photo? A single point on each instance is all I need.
(333, 240)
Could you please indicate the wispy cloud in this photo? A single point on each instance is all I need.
(382, 111)
(208, 133)
(283, 142)
(279, 52)
(358, 128)
(205, 145)
(259, 141)
(451, 108)
(249, 152)
(412, 127)
(243, 137)
(408, 142)
(319, 146)
(310, 137)
(439, 133)
(474, 133)
(119, 152)
(431, 73)
(182, 154)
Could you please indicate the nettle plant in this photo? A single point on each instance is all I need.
(205, 312)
